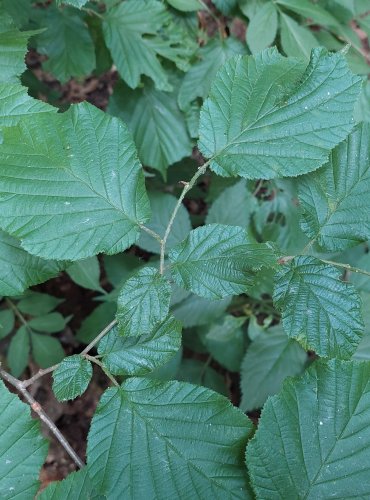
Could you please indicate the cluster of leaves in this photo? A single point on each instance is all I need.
(256, 281)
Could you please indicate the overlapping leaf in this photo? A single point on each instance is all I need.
(318, 309)
(74, 190)
(266, 117)
(313, 440)
(20, 270)
(76, 484)
(143, 302)
(234, 206)
(216, 261)
(335, 199)
(150, 439)
(136, 354)
(22, 448)
(72, 377)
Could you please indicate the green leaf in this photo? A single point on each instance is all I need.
(262, 29)
(270, 359)
(216, 261)
(19, 351)
(137, 32)
(74, 3)
(7, 321)
(50, 323)
(72, 377)
(195, 311)
(265, 117)
(38, 304)
(143, 302)
(67, 43)
(296, 40)
(162, 206)
(335, 198)
(318, 309)
(185, 5)
(16, 103)
(20, 270)
(22, 448)
(197, 81)
(93, 324)
(76, 485)
(225, 341)
(312, 439)
(311, 10)
(193, 439)
(362, 108)
(137, 354)
(156, 122)
(89, 196)
(198, 373)
(46, 350)
(233, 207)
(86, 273)
(225, 6)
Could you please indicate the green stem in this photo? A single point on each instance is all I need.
(100, 364)
(347, 267)
(188, 186)
(152, 233)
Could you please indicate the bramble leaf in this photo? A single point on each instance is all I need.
(193, 440)
(335, 198)
(74, 190)
(320, 419)
(20, 270)
(216, 261)
(270, 359)
(86, 273)
(318, 309)
(266, 117)
(143, 302)
(157, 124)
(76, 484)
(258, 35)
(72, 377)
(296, 40)
(22, 448)
(138, 354)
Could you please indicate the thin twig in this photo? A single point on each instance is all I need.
(347, 267)
(39, 374)
(152, 233)
(100, 364)
(201, 170)
(99, 337)
(36, 407)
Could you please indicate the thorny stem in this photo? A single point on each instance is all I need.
(99, 363)
(36, 407)
(188, 186)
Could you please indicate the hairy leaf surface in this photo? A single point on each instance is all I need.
(143, 302)
(318, 309)
(22, 448)
(72, 377)
(216, 261)
(137, 354)
(335, 199)
(266, 117)
(160, 440)
(74, 190)
(313, 440)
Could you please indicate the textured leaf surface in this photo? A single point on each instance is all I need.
(22, 448)
(13, 47)
(270, 358)
(162, 206)
(143, 302)
(318, 309)
(76, 485)
(156, 122)
(74, 3)
(74, 190)
(131, 31)
(20, 270)
(192, 439)
(72, 377)
(335, 199)
(67, 43)
(139, 354)
(216, 261)
(266, 117)
(313, 439)
(197, 81)
(234, 206)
